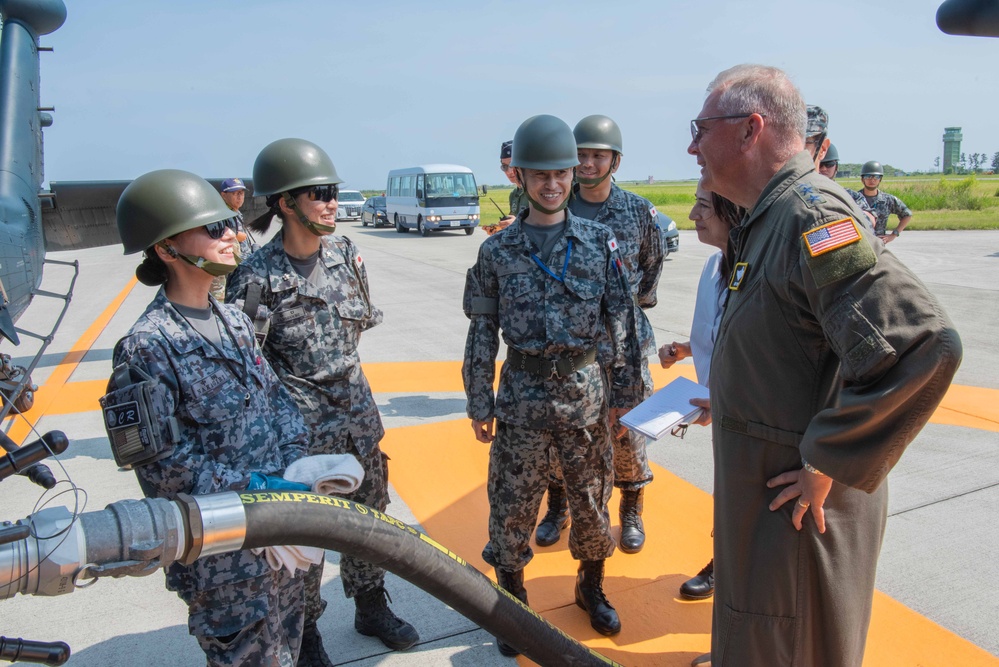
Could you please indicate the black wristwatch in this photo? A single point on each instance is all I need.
(895, 231)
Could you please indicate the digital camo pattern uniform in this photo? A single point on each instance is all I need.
(312, 346)
(635, 224)
(235, 417)
(518, 201)
(544, 317)
(884, 205)
(839, 359)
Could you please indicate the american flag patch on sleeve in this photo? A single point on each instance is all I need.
(830, 236)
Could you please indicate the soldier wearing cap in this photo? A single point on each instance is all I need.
(552, 284)
(233, 194)
(881, 204)
(822, 374)
(492, 226)
(820, 148)
(518, 197)
(634, 221)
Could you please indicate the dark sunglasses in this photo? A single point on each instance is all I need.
(324, 193)
(874, 176)
(216, 230)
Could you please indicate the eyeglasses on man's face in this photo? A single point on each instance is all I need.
(696, 131)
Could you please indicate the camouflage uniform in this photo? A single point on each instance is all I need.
(549, 318)
(518, 201)
(234, 418)
(635, 224)
(884, 205)
(312, 346)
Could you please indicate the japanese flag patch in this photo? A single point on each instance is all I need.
(358, 260)
(830, 236)
(612, 244)
(653, 212)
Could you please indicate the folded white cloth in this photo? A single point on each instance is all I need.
(292, 557)
(327, 474)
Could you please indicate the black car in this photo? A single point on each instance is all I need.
(373, 212)
(671, 235)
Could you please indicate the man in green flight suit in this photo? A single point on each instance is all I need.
(830, 358)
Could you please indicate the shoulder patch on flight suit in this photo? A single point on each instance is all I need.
(809, 195)
(836, 250)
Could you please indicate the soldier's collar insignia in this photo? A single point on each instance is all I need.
(738, 276)
(830, 236)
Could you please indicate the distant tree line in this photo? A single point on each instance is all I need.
(973, 163)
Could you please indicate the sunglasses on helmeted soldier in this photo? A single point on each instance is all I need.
(324, 193)
(216, 230)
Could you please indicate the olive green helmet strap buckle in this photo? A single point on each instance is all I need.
(316, 228)
(600, 179)
(214, 269)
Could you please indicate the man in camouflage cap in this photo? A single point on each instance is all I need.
(491, 227)
(818, 146)
(552, 284)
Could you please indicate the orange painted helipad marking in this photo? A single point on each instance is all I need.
(46, 395)
(439, 470)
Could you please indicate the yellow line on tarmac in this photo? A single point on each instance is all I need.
(45, 397)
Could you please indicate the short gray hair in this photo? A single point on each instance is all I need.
(764, 90)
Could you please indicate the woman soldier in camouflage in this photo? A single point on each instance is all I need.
(229, 423)
(313, 288)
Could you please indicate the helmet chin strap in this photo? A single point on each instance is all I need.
(537, 205)
(214, 269)
(599, 179)
(317, 228)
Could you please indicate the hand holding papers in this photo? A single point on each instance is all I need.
(665, 409)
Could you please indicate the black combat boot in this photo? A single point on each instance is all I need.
(590, 597)
(312, 654)
(551, 526)
(513, 583)
(632, 529)
(374, 619)
(702, 586)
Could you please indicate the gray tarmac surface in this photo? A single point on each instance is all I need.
(939, 555)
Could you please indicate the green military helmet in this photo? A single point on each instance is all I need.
(544, 142)
(872, 168)
(163, 203)
(287, 164)
(832, 155)
(598, 132)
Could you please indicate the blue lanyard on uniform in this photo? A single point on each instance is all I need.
(565, 265)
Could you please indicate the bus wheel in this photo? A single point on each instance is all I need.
(398, 225)
(422, 227)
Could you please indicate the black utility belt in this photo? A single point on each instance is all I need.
(549, 368)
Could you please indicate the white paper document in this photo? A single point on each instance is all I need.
(665, 409)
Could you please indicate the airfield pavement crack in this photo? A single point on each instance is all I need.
(943, 500)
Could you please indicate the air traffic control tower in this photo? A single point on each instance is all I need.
(952, 148)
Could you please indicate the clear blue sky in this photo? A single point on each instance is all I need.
(204, 86)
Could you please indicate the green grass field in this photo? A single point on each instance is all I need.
(951, 202)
